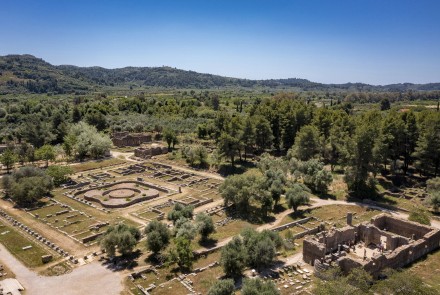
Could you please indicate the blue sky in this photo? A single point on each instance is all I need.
(371, 41)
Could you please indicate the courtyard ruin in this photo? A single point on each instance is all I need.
(384, 242)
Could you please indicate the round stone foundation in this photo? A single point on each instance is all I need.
(121, 194)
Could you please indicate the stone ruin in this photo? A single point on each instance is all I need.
(35, 235)
(385, 242)
(148, 151)
(121, 194)
(194, 201)
(121, 139)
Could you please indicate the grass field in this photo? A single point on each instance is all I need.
(428, 270)
(14, 241)
(174, 287)
(203, 281)
(96, 164)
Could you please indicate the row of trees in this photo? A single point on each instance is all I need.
(25, 153)
(81, 141)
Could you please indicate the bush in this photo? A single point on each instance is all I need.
(258, 287)
(222, 287)
(419, 215)
(59, 173)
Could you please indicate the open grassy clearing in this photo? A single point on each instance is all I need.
(231, 229)
(96, 164)
(74, 223)
(428, 270)
(174, 287)
(14, 241)
(203, 281)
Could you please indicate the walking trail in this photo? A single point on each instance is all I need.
(92, 278)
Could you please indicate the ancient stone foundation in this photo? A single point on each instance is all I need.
(121, 139)
(385, 242)
(146, 152)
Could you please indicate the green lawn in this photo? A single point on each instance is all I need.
(14, 241)
(96, 164)
(428, 270)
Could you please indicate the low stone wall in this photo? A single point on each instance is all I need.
(123, 205)
(311, 231)
(400, 249)
(156, 187)
(291, 224)
(407, 229)
(36, 235)
(91, 238)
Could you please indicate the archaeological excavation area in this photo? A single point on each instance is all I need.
(62, 233)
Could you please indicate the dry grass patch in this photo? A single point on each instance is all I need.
(96, 164)
(429, 270)
(203, 281)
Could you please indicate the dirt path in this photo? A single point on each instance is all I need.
(125, 156)
(92, 278)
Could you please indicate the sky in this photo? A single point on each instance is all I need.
(329, 41)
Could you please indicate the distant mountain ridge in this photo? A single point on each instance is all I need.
(28, 74)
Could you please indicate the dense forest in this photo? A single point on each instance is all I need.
(362, 140)
(28, 74)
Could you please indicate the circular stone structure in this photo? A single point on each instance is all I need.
(122, 193)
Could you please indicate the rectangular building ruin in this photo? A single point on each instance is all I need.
(148, 151)
(121, 139)
(384, 242)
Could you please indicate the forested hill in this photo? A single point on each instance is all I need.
(28, 74)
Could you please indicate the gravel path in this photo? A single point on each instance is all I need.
(92, 278)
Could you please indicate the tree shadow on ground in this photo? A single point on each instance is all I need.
(123, 262)
(208, 243)
(326, 196)
(239, 168)
(300, 214)
(278, 209)
(252, 215)
(387, 184)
